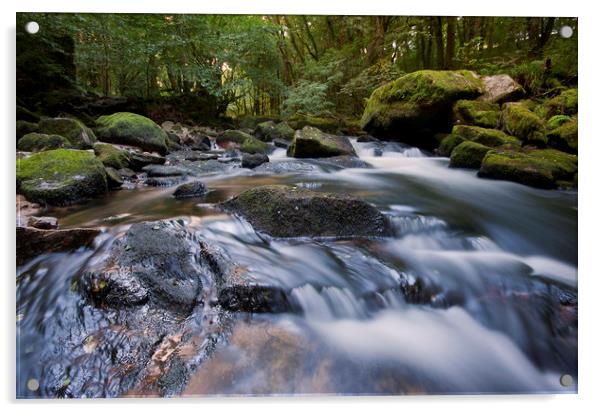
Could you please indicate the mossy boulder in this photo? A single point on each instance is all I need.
(268, 131)
(110, 156)
(132, 129)
(310, 142)
(284, 211)
(78, 134)
(542, 168)
(501, 88)
(565, 136)
(519, 121)
(38, 142)
(253, 145)
(477, 113)
(567, 103)
(448, 144)
(61, 177)
(487, 137)
(468, 154)
(325, 124)
(557, 121)
(24, 127)
(233, 136)
(404, 108)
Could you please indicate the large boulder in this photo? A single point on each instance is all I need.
(268, 131)
(487, 137)
(254, 146)
(565, 136)
(79, 135)
(477, 113)
(132, 129)
(567, 103)
(545, 168)
(111, 156)
(251, 161)
(519, 121)
(501, 88)
(310, 142)
(417, 105)
(61, 177)
(468, 154)
(283, 211)
(232, 136)
(190, 189)
(32, 242)
(38, 142)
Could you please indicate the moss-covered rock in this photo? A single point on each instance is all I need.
(114, 179)
(519, 121)
(449, 143)
(283, 211)
(543, 168)
(38, 142)
(268, 131)
(110, 156)
(61, 177)
(325, 124)
(253, 145)
(24, 127)
(234, 136)
(501, 88)
(311, 142)
(487, 137)
(468, 154)
(78, 134)
(557, 121)
(132, 129)
(477, 113)
(567, 103)
(565, 136)
(418, 101)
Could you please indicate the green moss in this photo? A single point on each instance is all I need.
(311, 142)
(468, 154)
(24, 127)
(449, 143)
(557, 121)
(284, 131)
(37, 142)
(253, 145)
(78, 134)
(325, 124)
(110, 156)
(236, 136)
(132, 129)
(60, 177)
(487, 137)
(567, 103)
(566, 136)
(268, 131)
(519, 121)
(478, 113)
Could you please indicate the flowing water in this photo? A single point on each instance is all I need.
(498, 259)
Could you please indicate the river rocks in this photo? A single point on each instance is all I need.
(417, 105)
(114, 179)
(477, 113)
(111, 156)
(138, 160)
(61, 177)
(283, 211)
(517, 120)
(268, 131)
(43, 222)
(159, 175)
(132, 129)
(545, 168)
(501, 88)
(254, 146)
(32, 242)
(310, 142)
(567, 103)
(235, 136)
(368, 139)
(190, 189)
(565, 136)
(38, 142)
(251, 161)
(254, 298)
(79, 135)
(325, 124)
(24, 127)
(468, 154)
(487, 137)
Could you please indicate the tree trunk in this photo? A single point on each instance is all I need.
(450, 47)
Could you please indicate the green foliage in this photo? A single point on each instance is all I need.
(307, 98)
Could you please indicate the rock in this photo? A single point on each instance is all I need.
(543, 168)
(235, 136)
(501, 88)
(79, 135)
(190, 189)
(468, 154)
(477, 113)
(487, 137)
(254, 298)
(168, 126)
(61, 177)
(310, 142)
(344, 162)
(126, 173)
(417, 105)
(110, 156)
(368, 139)
(114, 179)
(32, 242)
(567, 103)
(519, 121)
(327, 125)
(565, 136)
(38, 142)
(251, 161)
(284, 144)
(24, 209)
(449, 143)
(132, 129)
(557, 121)
(163, 171)
(139, 160)
(254, 146)
(43, 222)
(283, 211)
(268, 131)
(24, 127)
(164, 181)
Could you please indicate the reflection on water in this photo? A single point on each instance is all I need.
(497, 261)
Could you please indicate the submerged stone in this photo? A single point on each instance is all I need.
(190, 189)
(32, 242)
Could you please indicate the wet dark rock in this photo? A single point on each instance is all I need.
(32, 242)
(311, 142)
(368, 139)
(284, 144)
(138, 160)
(251, 161)
(345, 162)
(289, 166)
(254, 298)
(164, 181)
(43, 222)
(283, 211)
(114, 179)
(190, 189)
(191, 156)
(163, 171)
(126, 173)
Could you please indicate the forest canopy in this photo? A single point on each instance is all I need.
(286, 65)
